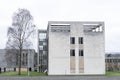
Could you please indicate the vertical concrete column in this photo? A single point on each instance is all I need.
(38, 53)
(76, 55)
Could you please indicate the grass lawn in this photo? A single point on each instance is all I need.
(108, 73)
(22, 74)
(113, 73)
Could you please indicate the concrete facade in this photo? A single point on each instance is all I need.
(60, 60)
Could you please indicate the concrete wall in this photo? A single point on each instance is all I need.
(94, 54)
(59, 54)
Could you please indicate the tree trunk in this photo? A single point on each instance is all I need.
(19, 71)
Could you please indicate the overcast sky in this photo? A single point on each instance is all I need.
(66, 10)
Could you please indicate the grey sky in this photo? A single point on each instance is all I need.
(66, 10)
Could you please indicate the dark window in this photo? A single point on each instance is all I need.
(80, 40)
(108, 60)
(40, 51)
(44, 47)
(41, 47)
(72, 40)
(81, 53)
(119, 60)
(26, 58)
(72, 52)
(40, 42)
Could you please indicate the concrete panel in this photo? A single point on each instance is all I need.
(72, 64)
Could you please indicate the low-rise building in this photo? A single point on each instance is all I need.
(112, 61)
(27, 59)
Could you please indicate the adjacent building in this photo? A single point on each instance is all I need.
(28, 58)
(42, 51)
(76, 48)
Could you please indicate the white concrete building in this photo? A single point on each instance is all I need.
(76, 48)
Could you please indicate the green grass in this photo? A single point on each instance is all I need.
(113, 73)
(22, 74)
(108, 73)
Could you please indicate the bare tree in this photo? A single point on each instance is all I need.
(19, 34)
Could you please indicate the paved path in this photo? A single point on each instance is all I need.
(62, 78)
